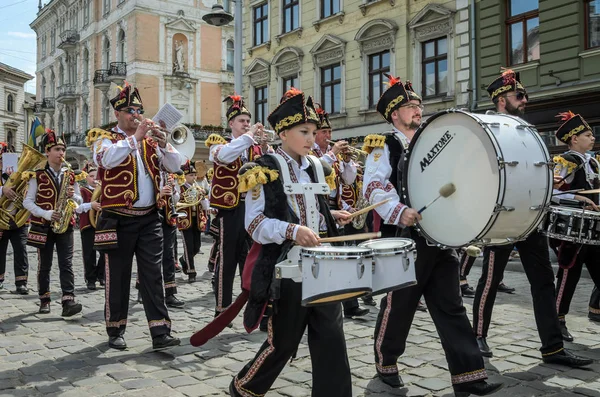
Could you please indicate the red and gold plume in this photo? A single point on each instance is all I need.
(565, 116)
(508, 76)
(392, 80)
(292, 92)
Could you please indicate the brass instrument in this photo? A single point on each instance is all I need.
(358, 222)
(65, 206)
(181, 138)
(95, 197)
(191, 197)
(12, 211)
(355, 153)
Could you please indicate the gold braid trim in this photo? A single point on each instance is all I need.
(27, 175)
(215, 139)
(96, 134)
(393, 103)
(255, 176)
(330, 179)
(180, 179)
(81, 176)
(502, 89)
(574, 131)
(563, 163)
(287, 121)
(373, 141)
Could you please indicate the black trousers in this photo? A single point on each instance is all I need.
(437, 280)
(466, 263)
(18, 240)
(326, 343)
(64, 252)
(191, 247)
(140, 236)
(93, 268)
(536, 263)
(234, 244)
(567, 279)
(169, 256)
(595, 301)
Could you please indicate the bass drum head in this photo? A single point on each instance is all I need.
(453, 148)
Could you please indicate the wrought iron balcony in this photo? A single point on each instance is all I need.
(75, 139)
(102, 79)
(118, 72)
(67, 93)
(68, 40)
(37, 109)
(48, 105)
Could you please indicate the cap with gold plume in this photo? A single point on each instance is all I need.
(236, 108)
(51, 139)
(188, 168)
(293, 111)
(324, 123)
(392, 98)
(126, 97)
(508, 81)
(572, 124)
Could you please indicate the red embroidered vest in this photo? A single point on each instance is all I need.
(184, 223)
(47, 193)
(84, 217)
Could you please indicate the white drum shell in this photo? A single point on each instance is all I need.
(393, 263)
(335, 274)
(500, 167)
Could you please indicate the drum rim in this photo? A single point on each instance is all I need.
(409, 245)
(562, 237)
(585, 214)
(354, 250)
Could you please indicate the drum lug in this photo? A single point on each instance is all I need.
(522, 126)
(405, 261)
(549, 164)
(360, 268)
(495, 125)
(315, 269)
(501, 208)
(511, 239)
(537, 207)
(503, 163)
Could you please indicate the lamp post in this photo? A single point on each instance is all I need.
(220, 17)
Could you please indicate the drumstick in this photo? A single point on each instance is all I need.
(360, 236)
(561, 180)
(593, 191)
(367, 209)
(445, 191)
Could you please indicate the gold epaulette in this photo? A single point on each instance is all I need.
(96, 134)
(564, 163)
(373, 141)
(27, 175)
(81, 176)
(180, 179)
(209, 174)
(255, 176)
(215, 139)
(330, 179)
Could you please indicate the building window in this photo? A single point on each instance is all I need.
(86, 12)
(10, 103)
(121, 48)
(106, 54)
(52, 85)
(230, 56)
(592, 22)
(105, 111)
(329, 8)
(289, 82)
(44, 43)
(261, 24)
(331, 88)
(261, 108)
(435, 67)
(84, 117)
(106, 8)
(86, 64)
(52, 39)
(291, 15)
(378, 65)
(523, 25)
(10, 139)
(43, 87)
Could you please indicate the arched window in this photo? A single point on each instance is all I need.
(84, 118)
(10, 139)
(121, 47)
(230, 55)
(61, 75)
(10, 103)
(52, 85)
(43, 87)
(106, 53)
(86, 64)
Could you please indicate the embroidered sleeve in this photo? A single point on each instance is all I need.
(109, 155)
(227, 153)
(562, 167)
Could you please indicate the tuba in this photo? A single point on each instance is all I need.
(95, 197)
(12, 212)
(64, 205)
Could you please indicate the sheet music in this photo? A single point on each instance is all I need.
(9, 162)
(169, 114)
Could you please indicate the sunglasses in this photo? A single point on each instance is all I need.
(520, 96)
(133, 111)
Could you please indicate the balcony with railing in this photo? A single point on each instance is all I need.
(67, 93)
(68, 40)
(118, 72)
(48, 105)
(102, 79)
(37, 109)
(75, 139)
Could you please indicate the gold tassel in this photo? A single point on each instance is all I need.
(27, 175)
(180, 179)
(81, 176)
(215, 139)
(256, 176)
(373, 141)
(261, 177)
(96, 134)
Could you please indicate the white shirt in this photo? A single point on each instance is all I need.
(29, 201)
(561, 171)
(377, 186)
(109, 155)
(85, 207)
(227, 153)
(270, 230)
(348, 170)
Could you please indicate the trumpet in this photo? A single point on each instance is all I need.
(356, 152)
(155, 131)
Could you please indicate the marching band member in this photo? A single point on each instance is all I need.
(93, 268)
(510, 97)
(129, 164)
(436, 268)
(276, 226)
(228, 157)
(47, 204)
(467, 259)
(579, 137)
(17, 237)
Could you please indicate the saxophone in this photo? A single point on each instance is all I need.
(64, 205)
(95, 197)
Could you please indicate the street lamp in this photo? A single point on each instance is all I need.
(220, 17)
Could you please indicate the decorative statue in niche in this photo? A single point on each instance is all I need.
(179, 61)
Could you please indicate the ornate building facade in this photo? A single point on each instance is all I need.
(14, 107)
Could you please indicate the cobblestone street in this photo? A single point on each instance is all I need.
(46, 355)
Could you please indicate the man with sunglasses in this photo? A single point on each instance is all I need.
(505, 92)
(130, 159)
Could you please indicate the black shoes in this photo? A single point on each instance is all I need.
(506, 289)
(44, 308)
(192, 278)
(102, 283)
(172, 301)
(594, 317)
(1, 284)
(565, 357)
(139, 298)
(467, 291)
(421, 306)
(369, 301)
(22, 290)
(478, 388)
(91, 286)
(70, 308)
(356, 312)
(164, 341)
(117, 342)
(392, 380)
(566, 335)
(483, 347)
(232, 391)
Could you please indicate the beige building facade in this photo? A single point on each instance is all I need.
(339, 50)
(15, 107)
(86, 48)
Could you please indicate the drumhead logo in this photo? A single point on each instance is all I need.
(436, 150)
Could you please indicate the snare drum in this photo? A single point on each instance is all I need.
(500, 167)
(335, 274)
(393, 263)
(572, 224)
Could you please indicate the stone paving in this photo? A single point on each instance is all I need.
(46, 355)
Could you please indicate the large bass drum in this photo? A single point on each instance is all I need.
(500, 167)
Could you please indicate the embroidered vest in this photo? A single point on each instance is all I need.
(191, 212)
(580, 179)
(84, 217)
(47, 193)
